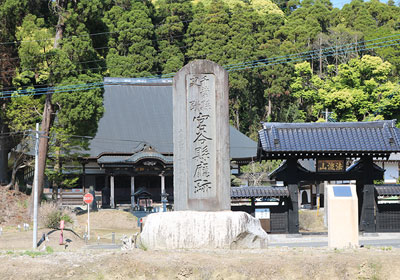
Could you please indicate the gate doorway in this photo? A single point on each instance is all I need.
(332, 146)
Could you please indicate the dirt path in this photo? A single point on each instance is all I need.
(76, 262)
(274, 263)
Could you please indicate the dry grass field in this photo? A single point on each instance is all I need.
(273, 263)
(76, 261)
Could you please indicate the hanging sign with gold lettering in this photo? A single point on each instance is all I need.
(331, 165)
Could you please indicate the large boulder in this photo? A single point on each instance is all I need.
(199, 230)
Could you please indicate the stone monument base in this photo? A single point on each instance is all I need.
(200, 230)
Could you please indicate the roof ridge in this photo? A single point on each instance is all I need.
(137, 81)
(315, 125)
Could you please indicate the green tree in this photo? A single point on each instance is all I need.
(245, 26)
(131, 50)
(207, 35)
(362, 90)
(172, 22)
(68, 60)
(12, 13)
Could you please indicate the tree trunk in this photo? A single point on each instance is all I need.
(48, 111)
(13, 175)
(43, 147)
(320, 59)
(269, 112)
(3, 160)
(237, 120)
(4, 149)
(57, 169)
(336, 60)
(356, 49)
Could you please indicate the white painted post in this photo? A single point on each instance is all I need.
(35, 190)
(318, 198)
(132, 192)
(88, 220)
(162, 183)
(325, 203)
(163, 193)
(112, 202)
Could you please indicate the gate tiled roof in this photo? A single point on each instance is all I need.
(258, 192)
(388, 190)
(308, 140)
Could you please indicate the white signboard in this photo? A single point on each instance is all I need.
(262, 213)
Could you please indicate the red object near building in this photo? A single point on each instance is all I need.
(88, 198)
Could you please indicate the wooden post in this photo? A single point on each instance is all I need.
(368, 209)
(112, 201)
(83, 177)
(293, 209)
(132, 192)
(253, 206)
(367, 221)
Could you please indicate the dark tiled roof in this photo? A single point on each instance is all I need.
(388, 190)
(146, 152)
(139, 111)
(251, 192)
(380, 138)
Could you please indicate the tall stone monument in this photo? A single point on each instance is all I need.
(201, 170)
(201, 137)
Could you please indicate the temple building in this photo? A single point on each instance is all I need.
(131, 156)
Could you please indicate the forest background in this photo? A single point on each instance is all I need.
(288, 61)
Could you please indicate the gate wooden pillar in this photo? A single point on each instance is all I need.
(368, 209)
(293, 187)
(293, 213)
(367, 218)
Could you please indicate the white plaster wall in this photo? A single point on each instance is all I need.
(392, 172)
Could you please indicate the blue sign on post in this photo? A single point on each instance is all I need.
(344, 191)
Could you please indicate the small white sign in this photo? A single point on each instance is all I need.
(263, 213)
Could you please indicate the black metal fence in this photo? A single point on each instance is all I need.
(388, 217)
(278, 216)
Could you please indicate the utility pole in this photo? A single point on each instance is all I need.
(320, 58)
(36, 189)
(326, 114)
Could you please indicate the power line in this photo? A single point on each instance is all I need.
(324, 50)
(181, 47)
(153, 27)
(84, 69)
(301, 58)
(72, 88)
(235, 67)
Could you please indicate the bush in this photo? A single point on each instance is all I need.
(50, 215)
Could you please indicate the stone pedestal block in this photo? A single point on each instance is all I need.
(202, 230)
(342, 216)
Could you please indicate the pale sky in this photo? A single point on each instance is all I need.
(340, 3)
